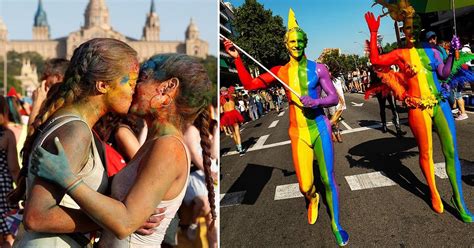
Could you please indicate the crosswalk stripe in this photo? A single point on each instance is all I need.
(440, 170)
(281, 113)
(274, 123)
(346, 125)
(368, 180)
(375, 126)
(287, 191)
(259, 148)
(232, 198)
(363, 181)
(261, 141)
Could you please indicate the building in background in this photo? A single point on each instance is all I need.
(97, 25)
(228, 73)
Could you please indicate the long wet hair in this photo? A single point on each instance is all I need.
(192, 102)
(100, 59)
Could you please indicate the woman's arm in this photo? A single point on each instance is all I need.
(163, 167)
(192, 139)
(338, 113)
(12, 155)
(127, 142)
(42, 210)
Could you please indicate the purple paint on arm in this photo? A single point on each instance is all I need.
(443, 70)
(326, 84)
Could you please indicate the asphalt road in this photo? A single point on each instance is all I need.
(384, 200)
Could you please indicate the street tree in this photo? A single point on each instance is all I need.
(260, 33)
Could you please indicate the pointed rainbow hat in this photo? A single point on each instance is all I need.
(292, 23)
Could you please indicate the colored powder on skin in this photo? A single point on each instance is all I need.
(125, 80)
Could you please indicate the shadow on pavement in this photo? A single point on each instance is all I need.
(225, 150)
(468, 166)
(249, 142)
(385, 155)
(252, 180)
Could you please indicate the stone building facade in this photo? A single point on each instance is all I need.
(97, 25)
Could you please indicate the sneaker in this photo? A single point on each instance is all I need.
(455, 111)
(462, 117)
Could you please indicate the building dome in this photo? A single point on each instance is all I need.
(192, 32)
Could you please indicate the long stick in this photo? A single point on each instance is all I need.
(454, 17)
(258, 63)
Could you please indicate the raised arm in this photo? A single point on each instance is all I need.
(249, 83)
(164, 165)
(388, 59)
(444, 70)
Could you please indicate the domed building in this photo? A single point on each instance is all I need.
(97, 25)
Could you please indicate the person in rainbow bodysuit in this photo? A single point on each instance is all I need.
(418, 84)
(310, 130)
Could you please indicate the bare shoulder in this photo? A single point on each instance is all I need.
(75, 137)
(191, 132)
(168, 144)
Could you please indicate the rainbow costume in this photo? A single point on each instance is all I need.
(418, 84)
(310, 130)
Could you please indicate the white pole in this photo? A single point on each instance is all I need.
(454, 17)
(271, 73)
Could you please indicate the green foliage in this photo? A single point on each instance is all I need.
(389, 47)
(260, 34)
(210, 63)
(343, 63)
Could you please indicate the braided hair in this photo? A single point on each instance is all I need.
(192, 101)
(100, 59)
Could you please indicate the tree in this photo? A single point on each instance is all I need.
(14, 67)
(260, 34)
(210, 63)
(343, 63)
(389, 47)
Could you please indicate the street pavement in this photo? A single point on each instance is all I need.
(384, 200)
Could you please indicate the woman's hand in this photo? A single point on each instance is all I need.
(51, 167)
(230, 49)
(372, 22)
(149, 227)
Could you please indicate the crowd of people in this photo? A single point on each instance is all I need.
(106, 137)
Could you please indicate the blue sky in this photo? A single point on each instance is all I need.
(331, 23)
(126, 16)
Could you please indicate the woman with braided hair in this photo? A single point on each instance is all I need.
(173, 91)
(101, 78)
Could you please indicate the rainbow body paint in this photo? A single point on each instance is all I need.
(309, 129)
(422, 68)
